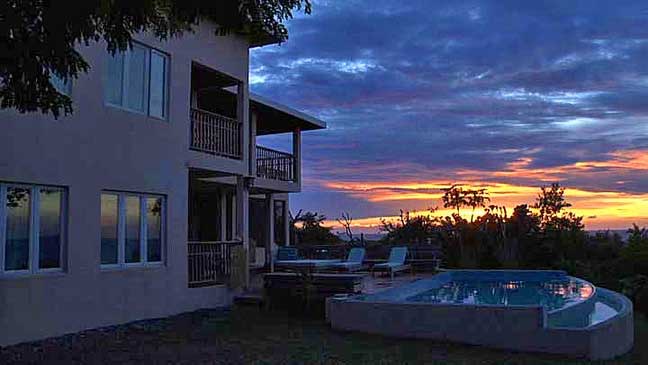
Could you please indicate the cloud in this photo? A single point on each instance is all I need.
(503, 92)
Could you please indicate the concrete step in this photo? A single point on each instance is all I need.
(249, 298)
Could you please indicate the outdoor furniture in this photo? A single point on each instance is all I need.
(287, 254)
(424, 258)
(353, 262)
(395, 263)
(295, 291)
(307, 265)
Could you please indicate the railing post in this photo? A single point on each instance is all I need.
(276, 165)
(215, 134)
(210, 263)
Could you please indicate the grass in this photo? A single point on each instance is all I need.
(250, 336)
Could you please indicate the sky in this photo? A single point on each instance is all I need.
(505, 95)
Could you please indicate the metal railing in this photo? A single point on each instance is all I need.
(210, 263)
(276, 165)
(216, 134)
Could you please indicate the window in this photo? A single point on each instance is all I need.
(31, 228)
(109, 224)
(131, 229)
(136, 80)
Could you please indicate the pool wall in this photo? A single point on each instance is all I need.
(516, 327)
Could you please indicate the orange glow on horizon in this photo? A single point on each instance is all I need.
(600, 209)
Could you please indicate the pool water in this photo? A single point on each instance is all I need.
(551, 294)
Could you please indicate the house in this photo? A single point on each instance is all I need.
(152, 198)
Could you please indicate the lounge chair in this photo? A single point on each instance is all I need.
(353, 261)
(286, 254)
(394, 264)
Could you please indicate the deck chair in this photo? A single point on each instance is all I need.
(286, 254)
(394, 264)
(353, 262)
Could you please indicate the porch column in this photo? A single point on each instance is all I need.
(269, 200)
(253, 128)
(296, 151)
(233, 225)
(223, 215)
(242, 221)
(286, 214)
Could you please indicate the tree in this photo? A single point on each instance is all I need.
(456, 197)
(345, 221)
(476, 198)
(550, 202)
(410, 229)
(38, 38)
(308, 228)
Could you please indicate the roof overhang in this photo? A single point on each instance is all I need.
(262, 39)
(273, 118)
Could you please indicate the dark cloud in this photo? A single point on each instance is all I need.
(435, 87)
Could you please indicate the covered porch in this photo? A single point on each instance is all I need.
(233, 229)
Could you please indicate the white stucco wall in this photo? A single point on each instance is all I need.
(101, 147)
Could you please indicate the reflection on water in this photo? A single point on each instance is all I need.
(550, 294)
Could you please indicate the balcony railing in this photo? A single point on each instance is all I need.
(216, 134)
(211, 263)
(276, 165)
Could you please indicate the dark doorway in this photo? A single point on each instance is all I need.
(204, 213)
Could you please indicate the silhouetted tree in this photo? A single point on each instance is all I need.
(308, 229)
(39, 38)
(345, 221)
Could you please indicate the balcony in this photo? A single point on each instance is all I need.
(215, 134)
(274, 165)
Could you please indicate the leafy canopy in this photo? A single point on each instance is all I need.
(38, 37)
(308, 228)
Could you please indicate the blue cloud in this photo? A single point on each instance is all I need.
(440, 86)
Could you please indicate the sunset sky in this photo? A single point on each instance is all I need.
(506, 95)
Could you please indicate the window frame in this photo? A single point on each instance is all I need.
(166, 90)
(143, 234)
(33, 266)
(126, 57)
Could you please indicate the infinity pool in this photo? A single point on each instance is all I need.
(540, 310)
(551, 294)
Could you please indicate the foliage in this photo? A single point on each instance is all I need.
(307, 228)
(38, 38)
(544, 235)
(414, 229)
(457, 197)
(346, 221)
(550, 202)
(636, 288)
